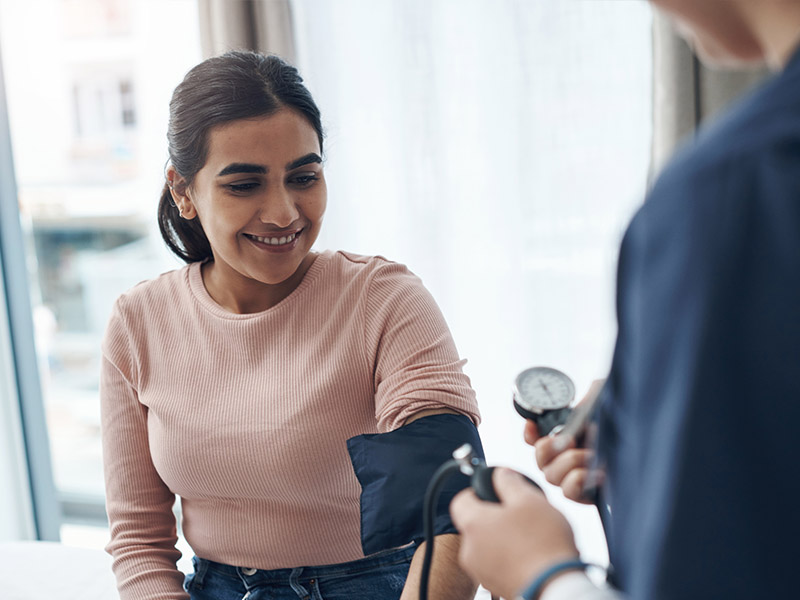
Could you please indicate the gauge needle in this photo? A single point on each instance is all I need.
(544, 387)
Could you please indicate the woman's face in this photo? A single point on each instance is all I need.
(260, 198)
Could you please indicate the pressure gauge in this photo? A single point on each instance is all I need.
(544, 395)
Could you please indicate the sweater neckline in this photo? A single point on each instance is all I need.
(197, 287)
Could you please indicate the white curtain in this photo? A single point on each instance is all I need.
(264, 25)
(498, 149)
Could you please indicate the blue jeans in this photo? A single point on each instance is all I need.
(377, 577)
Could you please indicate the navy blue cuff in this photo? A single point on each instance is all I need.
(394, 470)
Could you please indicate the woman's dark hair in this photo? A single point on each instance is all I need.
(235, 85)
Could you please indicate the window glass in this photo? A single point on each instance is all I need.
(88, 85)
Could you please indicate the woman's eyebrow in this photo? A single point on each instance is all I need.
(311, 157)
(242, 168)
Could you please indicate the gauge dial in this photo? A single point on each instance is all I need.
(541, 389)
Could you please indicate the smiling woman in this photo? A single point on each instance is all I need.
(261, 196)
(239, 381)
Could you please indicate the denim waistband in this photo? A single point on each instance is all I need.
(252, 577)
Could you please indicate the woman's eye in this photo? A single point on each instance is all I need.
(242, 187)
(305, 180)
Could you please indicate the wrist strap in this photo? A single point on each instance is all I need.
(534, 590)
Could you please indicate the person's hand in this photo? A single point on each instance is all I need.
(504, 546)
(563, 460)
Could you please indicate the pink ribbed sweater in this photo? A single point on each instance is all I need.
(245, 417)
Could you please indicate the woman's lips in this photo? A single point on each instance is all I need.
(275, 243)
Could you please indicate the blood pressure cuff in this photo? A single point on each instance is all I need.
(394, 470)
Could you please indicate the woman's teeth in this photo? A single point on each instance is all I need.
(275, 241)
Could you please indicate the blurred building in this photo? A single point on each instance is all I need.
(88, 85)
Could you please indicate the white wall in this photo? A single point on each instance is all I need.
(16, 512)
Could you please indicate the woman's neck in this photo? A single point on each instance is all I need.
(241, 295)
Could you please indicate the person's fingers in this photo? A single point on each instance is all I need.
(561, 465)
(574, 484)
(595, 387)
(463, 507)
(548, 448)
(531, 432)
(511, 486)
(562, 441)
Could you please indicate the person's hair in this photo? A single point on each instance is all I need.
(236, 85)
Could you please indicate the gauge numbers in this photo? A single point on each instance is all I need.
(540, 389)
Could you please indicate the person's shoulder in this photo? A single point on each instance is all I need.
(166, 287)
(375, 277)
(139, 312)
(360, 261)
(762, 127)
(765, 119)
(350, 264)
(736, 159)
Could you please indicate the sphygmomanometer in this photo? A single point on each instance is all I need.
(409, 476)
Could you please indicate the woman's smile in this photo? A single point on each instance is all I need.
(285, 242)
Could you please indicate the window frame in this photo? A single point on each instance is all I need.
(45, 505)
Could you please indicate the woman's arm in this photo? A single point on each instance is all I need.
(448, 580)
(418, 373)
(414, 362)
(139, 504)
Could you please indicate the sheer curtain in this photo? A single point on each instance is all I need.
(264, 25)
(498, 149)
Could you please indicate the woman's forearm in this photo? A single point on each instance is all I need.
(447, 580)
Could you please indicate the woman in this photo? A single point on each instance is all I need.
(238, 381)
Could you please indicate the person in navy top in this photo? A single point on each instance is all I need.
(698, 417)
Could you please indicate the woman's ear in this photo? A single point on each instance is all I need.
(180, 194)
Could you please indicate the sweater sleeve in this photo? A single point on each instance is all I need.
(415, 363)
(139, 504)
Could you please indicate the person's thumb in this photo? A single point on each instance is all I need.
(509, 484)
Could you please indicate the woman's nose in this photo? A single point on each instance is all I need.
(279, 208)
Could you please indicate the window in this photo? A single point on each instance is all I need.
(96, 18)
(104, 107)
(88, 90)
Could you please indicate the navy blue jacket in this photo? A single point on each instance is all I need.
(700, 416)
